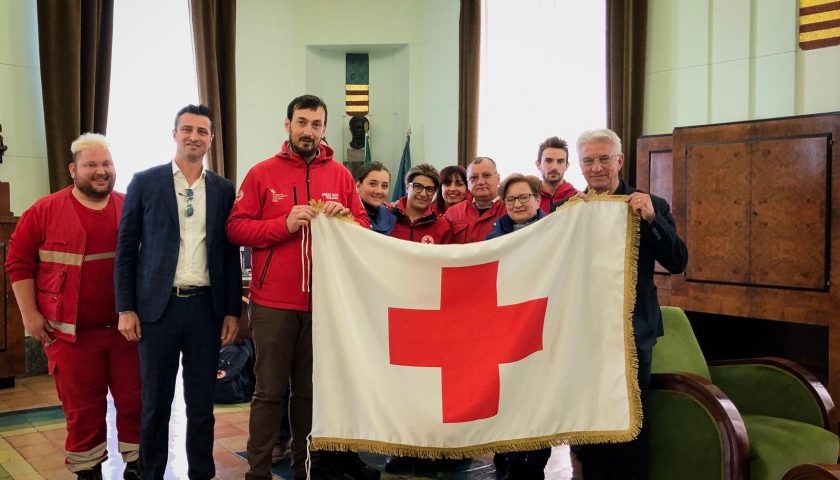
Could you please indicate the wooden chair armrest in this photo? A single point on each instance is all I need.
(733, 433)
(813, 471)
(811, 383)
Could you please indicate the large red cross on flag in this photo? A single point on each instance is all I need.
(467, 338)
(456, 350)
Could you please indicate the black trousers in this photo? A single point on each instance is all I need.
(621, 461)
(187, 331)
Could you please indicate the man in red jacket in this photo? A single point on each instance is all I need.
(61, 265)
(271, 215)
(472, 220)
(552, 162)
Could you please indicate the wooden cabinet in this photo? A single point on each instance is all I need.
(755, 202)
(12, 350)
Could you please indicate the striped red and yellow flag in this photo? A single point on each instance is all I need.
(819, 23)
(357, 99)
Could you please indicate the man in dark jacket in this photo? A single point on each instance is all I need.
(178, 284)
(601, 160)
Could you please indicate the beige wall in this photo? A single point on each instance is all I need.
(291, 47)
(21, 110)
(709, 61)
(713, 61)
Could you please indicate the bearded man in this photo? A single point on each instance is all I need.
(61, 265)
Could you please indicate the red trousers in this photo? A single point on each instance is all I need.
(84, 371)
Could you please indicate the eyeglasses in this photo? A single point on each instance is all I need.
(603, 160)
(419, 187)
(486, 176)
(522, 198)
(190, 195)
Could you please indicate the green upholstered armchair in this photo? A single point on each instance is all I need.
(745, 419)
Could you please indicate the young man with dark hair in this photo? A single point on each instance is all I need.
(179, 290)
(552, 162)
(272, 215)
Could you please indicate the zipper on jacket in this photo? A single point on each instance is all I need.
(271, 252)
(265, 267)
(307, 181)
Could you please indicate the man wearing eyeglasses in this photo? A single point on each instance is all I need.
(601, 161)
(472, 221)
(552, 162)
(179, 288)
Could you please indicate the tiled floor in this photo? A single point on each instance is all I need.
(32, 441)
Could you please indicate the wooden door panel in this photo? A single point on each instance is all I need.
(4, 345)
(718, 212)
(789, 220)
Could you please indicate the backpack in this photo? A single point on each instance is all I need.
(235, 379)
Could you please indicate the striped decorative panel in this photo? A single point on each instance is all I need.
(357, 88)
(819, 23)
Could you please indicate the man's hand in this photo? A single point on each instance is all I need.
(230, 327)
(582, 195)
(38, 326)
(129, 326)
(299, 216)
(642, 206)
(332, 209)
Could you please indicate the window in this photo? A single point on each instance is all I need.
(543, 73)
(152, 76)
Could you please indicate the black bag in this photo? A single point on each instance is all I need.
(235, 379)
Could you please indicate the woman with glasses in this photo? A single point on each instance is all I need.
(415, 219)
(372, 183)
(452, 189)
(521, 195)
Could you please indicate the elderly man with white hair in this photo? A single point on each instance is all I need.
(600, 157)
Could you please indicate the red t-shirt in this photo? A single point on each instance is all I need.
(97, 306)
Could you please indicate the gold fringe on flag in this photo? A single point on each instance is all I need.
(631, 259)
(320, 205)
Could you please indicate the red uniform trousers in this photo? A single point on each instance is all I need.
(100, 359)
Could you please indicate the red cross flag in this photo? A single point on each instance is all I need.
(516, 343)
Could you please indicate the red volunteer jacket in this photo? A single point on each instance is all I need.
(467, 225)
(564, 190)
(49, 245)
(258, 220)
(430, 228)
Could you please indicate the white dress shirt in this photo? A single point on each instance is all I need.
(192, 252)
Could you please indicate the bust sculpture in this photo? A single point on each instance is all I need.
(3, 147)
(358, 127)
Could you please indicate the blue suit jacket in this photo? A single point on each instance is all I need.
(149, 239)
(658, 242)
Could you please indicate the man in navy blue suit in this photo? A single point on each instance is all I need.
(178, 290)
(600, 158)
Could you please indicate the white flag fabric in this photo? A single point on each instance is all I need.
(516, 343)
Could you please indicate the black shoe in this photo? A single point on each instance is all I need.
(94, 473)
(400, 464)
(501, 462)
(281, 451)
(324, 469)
(132, 471)
(351, 464)
(524, 471)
